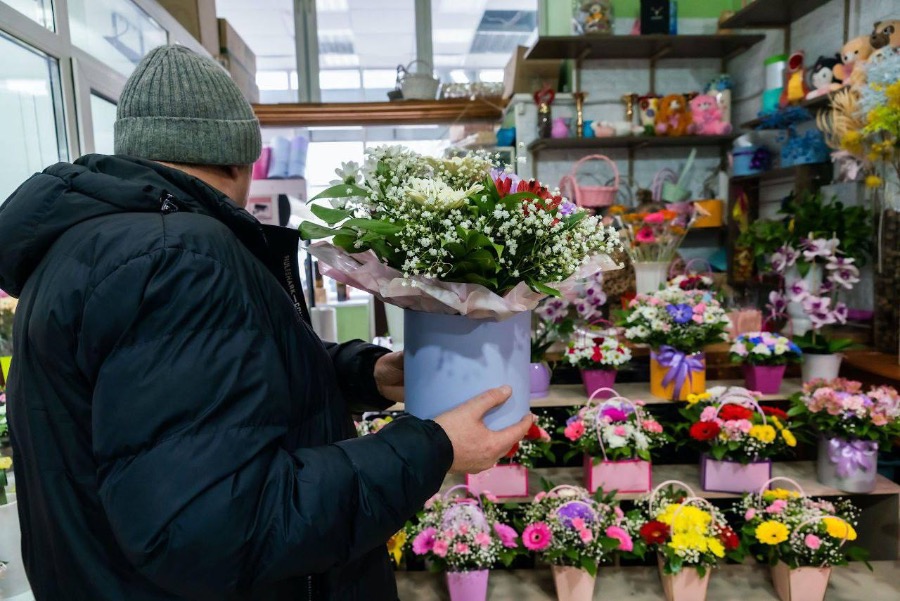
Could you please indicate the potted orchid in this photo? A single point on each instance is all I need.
(851, 424)
(468, 251)
(463, 537)
(799, 537)
(764, 356)
(575, 532)
(509, 478)
(677, 324)
(598, 354)
(688, 535)
(616, 438)
(737, 438)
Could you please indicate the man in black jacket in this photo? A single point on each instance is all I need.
(179, 432)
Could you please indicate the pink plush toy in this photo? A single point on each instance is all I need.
(707, 118)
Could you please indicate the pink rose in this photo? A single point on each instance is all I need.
(620, 431)
(625, 542)
(653, 426)
(578, 524)
(507, 535)
(879, 419)
(699, 308)
(586, 536)
(697, 318)
(744, 425)
(440, 548)
(483, 539)
(424, 541)
(708, 415)
(777, 506)
(751, 513)
(539, 497)
(812, 541)
(462, 548)
(449, 533)
(619, 513)
(653, 301)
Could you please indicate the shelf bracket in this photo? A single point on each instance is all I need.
(659, 54)
(576, 84)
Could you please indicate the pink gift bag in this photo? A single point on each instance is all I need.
(502, 481)
(629, 475)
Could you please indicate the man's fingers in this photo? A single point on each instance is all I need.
(487, 400)
(510, 435)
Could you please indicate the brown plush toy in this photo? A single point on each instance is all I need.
(853, 55)
(673, 118)
(885, 33)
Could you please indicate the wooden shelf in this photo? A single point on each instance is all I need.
(816, 170)
(771, 13)
(636, 142)
(804, 472)
(812, 106)
(411, 112)
(746, 582)
(724, 46)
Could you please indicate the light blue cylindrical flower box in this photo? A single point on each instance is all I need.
(451, 358)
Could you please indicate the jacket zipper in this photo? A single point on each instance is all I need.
(309, 587)
(167, 204)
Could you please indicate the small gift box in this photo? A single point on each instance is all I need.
(733, 476)
(626, 476)
(502, 481)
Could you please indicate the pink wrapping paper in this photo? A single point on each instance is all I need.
(503, 481)
(627, 476)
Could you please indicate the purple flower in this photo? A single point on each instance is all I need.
(777, 304)
(818, 308)
(567, 208)
(818, 247)
(840, 312)
(783, 258)
(798, 291)
(680, 313)
(575, 510)
(614, 413)
(572, 420)
(842, 272)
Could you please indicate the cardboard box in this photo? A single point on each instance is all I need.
(234, 48)
(521, 76)
(199, 18)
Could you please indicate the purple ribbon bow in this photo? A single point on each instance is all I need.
(680, 366)
(852, 455)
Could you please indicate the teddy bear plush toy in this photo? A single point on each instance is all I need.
(673, 118)
(854, 55)
(707, 117)
(885, 33)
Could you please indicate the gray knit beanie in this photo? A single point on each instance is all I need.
(180, 107)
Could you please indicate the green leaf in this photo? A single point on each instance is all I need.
(483, 259)
(341, 191)
(475, 239)
(718, 452)
(346, 241)
(589, 566)
(840, 344)
(374, 225)
(330, 215)
(474, 278)
(314, 231)
(456, 249)
(544, 289)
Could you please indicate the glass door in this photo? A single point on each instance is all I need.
(97, 91)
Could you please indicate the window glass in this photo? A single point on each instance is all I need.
(116, 32)
(31, 117)
(40, 11)
(103, 116)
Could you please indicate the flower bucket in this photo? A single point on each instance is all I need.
(503, 481)
(573, 584)
(540, 379)
(468, 586)
(450, 359)
(825, 367)
(650, 275)
(626, 476)
(732, 476)
(686, 585)
(690, 372)
(765, 379)
(800, 584)
(597, 379)
(847, 465)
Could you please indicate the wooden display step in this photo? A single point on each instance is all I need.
(771, 13)
(636, 142)
(728, 583)
(651, 47)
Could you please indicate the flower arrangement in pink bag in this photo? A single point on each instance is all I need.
(615, 429)
(842, 408)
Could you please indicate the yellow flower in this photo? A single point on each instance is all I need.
(780, 493)
(395, 546)
(5, 463)
(771, 533)
(693, 399)
(716, 547)
(765, 434)
(838, 528)
(789, 438)
(776, 422)
(689, 541)
(873, 181)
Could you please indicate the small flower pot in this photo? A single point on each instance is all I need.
(800, 584)
(650, 275)
(502, 481)
(732, 476)
(468, 586)
(573, 584)
(595, 379)
(686, 585)
(540, 380)
(695, 383)
(847, 465)
(765, 379)
(824, 367)
(626, 476)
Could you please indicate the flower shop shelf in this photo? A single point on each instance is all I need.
(813, 172)
(638, 583)
(654, 47)
(633, 142)
(812, 106)
(771, 13)
(413, 112)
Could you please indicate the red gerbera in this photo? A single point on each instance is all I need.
(534, 187)
(512, 452)
(705, 430)
(734, 412)
(775, 412)
(654, 532)
(729, 539)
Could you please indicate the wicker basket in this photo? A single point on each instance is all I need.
(590, 196)
(415, 85)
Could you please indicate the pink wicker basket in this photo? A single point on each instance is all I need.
(590, 196)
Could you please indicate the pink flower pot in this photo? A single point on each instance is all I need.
(732, 476)
(626, 476)
(800, 584)
(686, 585)
(468, 586)
(502, 481)
(573, 584)
(540, 380)
(595, 379)
(765, 379)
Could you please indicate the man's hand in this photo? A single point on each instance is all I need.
(389, 376)
(476, 447)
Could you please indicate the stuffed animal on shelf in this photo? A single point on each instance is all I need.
(822, 76)
(795, 88)
(707, 117)
(597, 16)
(885, 33)
(854, 55)
(673, 118)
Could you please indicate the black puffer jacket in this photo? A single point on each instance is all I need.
(178, 431)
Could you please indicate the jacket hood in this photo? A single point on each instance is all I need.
(67, 194)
